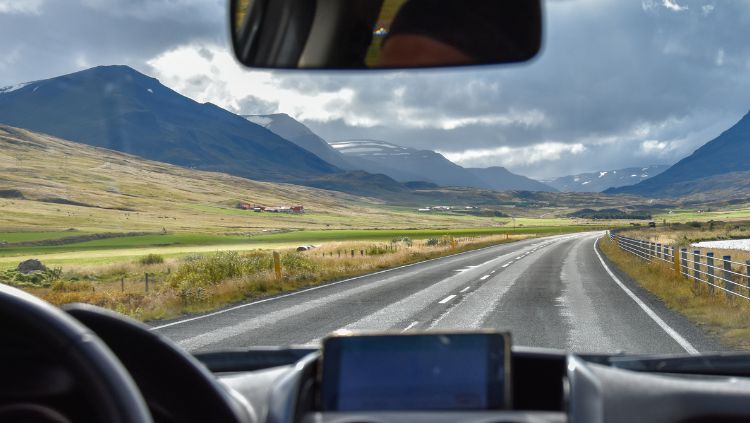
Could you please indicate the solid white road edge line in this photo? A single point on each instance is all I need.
(687, 346)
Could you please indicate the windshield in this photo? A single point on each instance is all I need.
(593, 199)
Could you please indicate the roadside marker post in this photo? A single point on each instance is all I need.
(747, 272)
(122, 284)
(277, 264)
(728, 285)
(146, 282)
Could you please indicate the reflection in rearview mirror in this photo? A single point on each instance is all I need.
(365, 34)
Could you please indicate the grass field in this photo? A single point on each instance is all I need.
(118, 250)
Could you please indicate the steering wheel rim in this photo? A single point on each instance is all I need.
(108, 386)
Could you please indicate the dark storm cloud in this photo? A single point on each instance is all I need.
(619, 83)
(64, 36)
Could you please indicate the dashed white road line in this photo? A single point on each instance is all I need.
(446, 299)
(484, 277)
(466, 289)
(519, 258)
(506, 265)
(411, 325)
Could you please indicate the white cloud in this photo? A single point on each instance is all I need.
(23, 7)
(707, 9)
(720, 57)
(672, 5)
(657, 148)
(514, 156)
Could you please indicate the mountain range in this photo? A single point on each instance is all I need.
(721, 167)
(118, 108)
(602, 180)
(403, 164)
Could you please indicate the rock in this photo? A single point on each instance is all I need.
(31, 265)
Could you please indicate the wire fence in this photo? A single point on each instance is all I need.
(731, 277)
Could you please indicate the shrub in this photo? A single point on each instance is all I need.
(432, 242)
(151, 259)
(375, 250)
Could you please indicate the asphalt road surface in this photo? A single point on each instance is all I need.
(555, 292)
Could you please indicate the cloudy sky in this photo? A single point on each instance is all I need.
(619, 82)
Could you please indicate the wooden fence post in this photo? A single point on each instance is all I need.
(728, 285)
(676, 259)
(122, 284)
(277, 264)
(146, 282)
(710, 269)
(696, 268)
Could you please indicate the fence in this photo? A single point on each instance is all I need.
(715, 273)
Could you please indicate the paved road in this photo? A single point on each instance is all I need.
(554, 292)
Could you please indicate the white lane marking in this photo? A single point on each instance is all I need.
(668, 329)
(484, 277)
(410, 326)
(519, 258)
(446, 299)
(506, 265)
(466, 289)
(226, 310)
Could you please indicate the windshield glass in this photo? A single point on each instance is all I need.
(593, 199)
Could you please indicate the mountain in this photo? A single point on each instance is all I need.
(501, 179)
(602, 180)
(408, 164)
(727, 154)
(121, 109)
(290, 129)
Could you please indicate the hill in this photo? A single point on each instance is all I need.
(118, 108)
(727, 154)
(602, 180)
(501, 179)
(290, 129)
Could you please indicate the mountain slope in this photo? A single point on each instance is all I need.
(121, 109)
(290, 129)
(727, 153)
(600, 181)
(501, 179)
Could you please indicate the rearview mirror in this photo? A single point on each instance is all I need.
(367, 34)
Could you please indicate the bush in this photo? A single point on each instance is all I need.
(375, 250)
(209, 270)
(151, 259)
(432, 242)
(38, 279)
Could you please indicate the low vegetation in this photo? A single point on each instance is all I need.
(202, 282)
(717, 315)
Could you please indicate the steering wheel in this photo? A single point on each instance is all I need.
(109, 389)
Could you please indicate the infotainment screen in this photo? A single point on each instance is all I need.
(456, 371)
